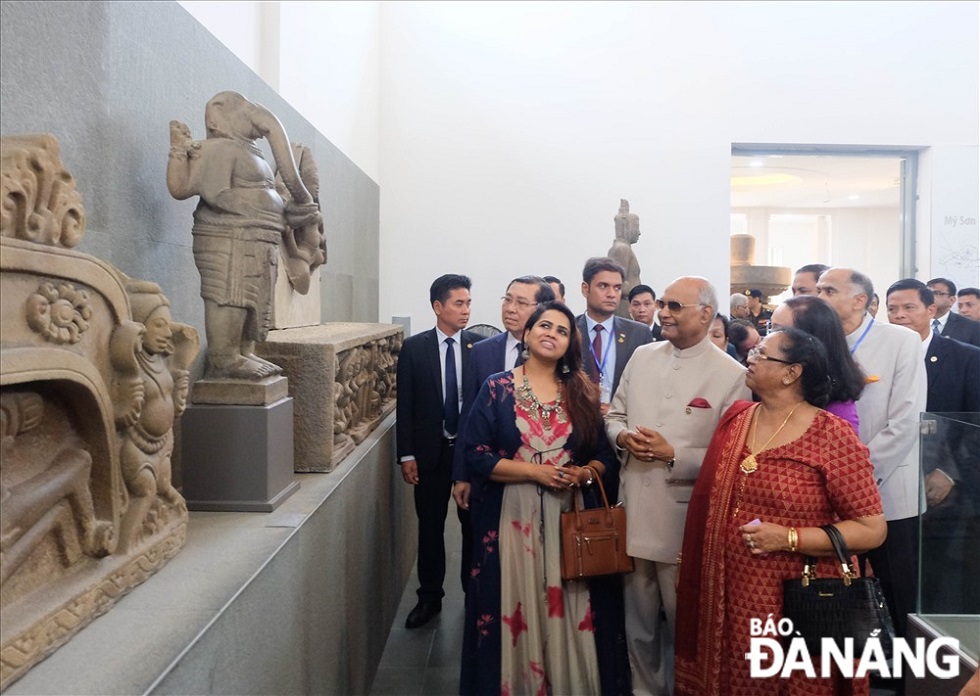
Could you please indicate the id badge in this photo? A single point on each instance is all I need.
(604, 396)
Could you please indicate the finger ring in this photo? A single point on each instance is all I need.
(751, 544)
(561, 474)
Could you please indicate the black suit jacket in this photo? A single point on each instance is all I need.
(953, 373)
(962, 329)
(420, 399)
(628, 334)
(487, 359)
(655, 332)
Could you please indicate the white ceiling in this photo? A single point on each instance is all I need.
(815, 181)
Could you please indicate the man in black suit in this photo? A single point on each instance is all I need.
(950, 459)
(490, 356)
(430, 370)
(607, 349)
(643, 308)
(948, 323)
(557, 287)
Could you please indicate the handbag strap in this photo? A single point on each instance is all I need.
(843, 553)
(602, 490)
(840, 549)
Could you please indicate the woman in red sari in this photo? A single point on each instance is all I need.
(774, 473)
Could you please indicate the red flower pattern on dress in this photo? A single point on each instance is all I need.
(556, 602)
(523, 529)
(482, 623)
(517, 623)
(586, 623)
(538, 671)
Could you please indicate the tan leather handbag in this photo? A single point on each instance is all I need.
(593, 542)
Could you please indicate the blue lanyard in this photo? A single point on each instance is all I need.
(870, 324)
(605, 355)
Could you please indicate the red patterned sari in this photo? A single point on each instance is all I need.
(824, 476)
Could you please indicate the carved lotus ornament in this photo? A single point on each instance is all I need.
(59, 312)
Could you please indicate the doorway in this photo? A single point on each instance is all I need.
(833, 205)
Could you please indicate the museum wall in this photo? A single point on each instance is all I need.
(511, 131)
(322, 57)
(106, 78)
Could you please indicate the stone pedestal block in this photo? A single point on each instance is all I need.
(238, 458)
(342, 377)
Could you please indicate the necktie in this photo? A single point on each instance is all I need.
(935, 326)
(597, 351)
(520, 354)
(451, 406)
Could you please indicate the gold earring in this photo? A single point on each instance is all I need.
(785, 381)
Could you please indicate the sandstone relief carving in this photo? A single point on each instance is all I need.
(240, 222)
(92, 375)
(627, 226)
(341, 377)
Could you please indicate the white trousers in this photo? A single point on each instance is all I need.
(649, 588)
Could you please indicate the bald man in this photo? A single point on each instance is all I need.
(669, 400)
(888, 410)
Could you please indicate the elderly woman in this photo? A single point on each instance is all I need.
(775, 472)
(533, 439)
(811, 314)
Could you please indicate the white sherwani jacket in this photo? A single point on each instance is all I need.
(894, 395)
(682, 394)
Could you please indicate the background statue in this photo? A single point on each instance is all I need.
(159, 362)
(627, 233)
(239, 224)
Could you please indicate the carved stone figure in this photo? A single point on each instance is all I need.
(342, 400)
(41, 497)
(88, 398)
(627, 233)
(305, 248)
(159, 360)
(238, 225)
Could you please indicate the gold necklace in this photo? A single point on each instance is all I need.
(750, 463)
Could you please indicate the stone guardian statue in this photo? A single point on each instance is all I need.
(239, 225)
(627, 234)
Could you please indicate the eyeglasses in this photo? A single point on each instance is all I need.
(940, 293)
(759, 355)
(520, 302)
(675, 306)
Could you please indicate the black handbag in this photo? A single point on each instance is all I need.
(838, 608)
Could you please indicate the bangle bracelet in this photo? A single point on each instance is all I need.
(793, 538)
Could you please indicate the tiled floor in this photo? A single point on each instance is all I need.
(426, 660)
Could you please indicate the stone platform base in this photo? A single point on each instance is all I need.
(296, 601)
(238, 458)
(74, 601)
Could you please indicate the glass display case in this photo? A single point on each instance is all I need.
(949, 534)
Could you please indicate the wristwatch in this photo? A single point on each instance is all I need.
(669, 462)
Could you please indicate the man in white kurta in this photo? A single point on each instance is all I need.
(894, 395)
(665, 410)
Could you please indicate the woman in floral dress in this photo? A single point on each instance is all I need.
(530, 437)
